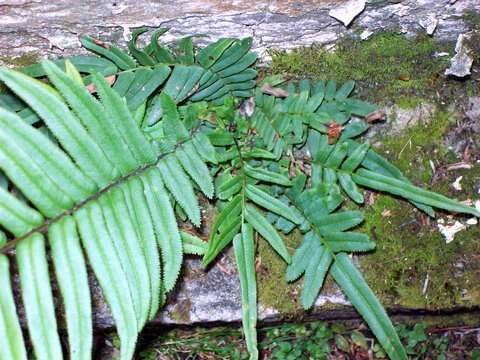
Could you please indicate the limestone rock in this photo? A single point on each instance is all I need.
(462, 62)
(348, 11)
(429, 23)
(51, 28)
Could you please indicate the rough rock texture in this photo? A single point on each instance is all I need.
(209, 297)
(52, 27)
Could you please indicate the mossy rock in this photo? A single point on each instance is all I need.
(389, 67)
(412, 267)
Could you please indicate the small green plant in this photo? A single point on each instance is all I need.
(107, 171)
(310, 340)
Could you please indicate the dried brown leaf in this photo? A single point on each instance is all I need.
(92, 89)
(274, 91)
(375, 116)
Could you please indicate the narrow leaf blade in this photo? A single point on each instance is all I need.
(352, 283)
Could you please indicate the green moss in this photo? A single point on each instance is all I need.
(19, 61)
(413, 149)
(388, 66)
(472, 19)
(408, 102)
(409, 251)
(181, 310)
(409, 246)
(273, 289)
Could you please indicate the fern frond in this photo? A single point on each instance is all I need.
(183, 82)
(243, 245)
(229, 187)
(397, 187)
(327, 237)
(92, 114)
(227, 64)
(348, 185)
(12, 345)
(165, 225)
(116, 108)
(107, 266)
(193, 244)
(348, 242)
(268, 232)
(204, 147)
(196, 168)
(180, 187)
(70, 270)
(315, 272)
(267, 176)
(301, 258)
(134, 192)
(122, 212)
(16, 216)
(143, 83)
(37, 297)
(268, 202)
(352, 283)
(341, 162)
(128, 247)
(83, 63)
(225, 227)
(61, 122)
(141, 56)
(111, 52)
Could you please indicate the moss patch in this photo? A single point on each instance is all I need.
(273, 289)
(387, 66)
(409, 247)
(19, 61)
(409, 251)
(413, 149)
(472, 19)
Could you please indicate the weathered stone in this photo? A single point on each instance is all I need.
(399, 118)
(51, 28)
(207, 296)
(429, 24)
(473, 112)
(348, 11)
(462, 62)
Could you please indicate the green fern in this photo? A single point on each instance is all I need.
(109, 175)
(326, 243)
(282, 123)
(249, 181)
(118, 204)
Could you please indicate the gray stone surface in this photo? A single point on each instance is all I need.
(461, 63)
(51, 28)
(207, 296)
